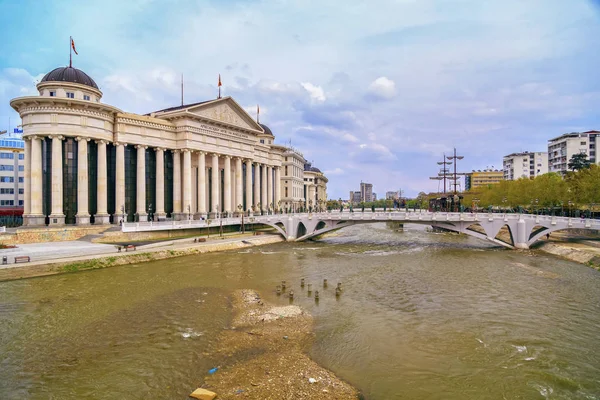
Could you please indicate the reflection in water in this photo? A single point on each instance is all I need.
(422, 315)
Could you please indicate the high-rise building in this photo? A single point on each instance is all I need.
(354, 197)
(374, 196)
(525, 165)
(562, 148)
(366, 192)
(12, 171)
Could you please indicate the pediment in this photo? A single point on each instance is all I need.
(228, 111)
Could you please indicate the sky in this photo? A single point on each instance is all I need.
(374, 91)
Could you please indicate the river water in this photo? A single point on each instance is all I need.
(422, 316)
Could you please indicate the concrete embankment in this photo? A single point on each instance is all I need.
(581, 252)
(142, 254)
(263, 356)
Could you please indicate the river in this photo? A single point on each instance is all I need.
(422, 316)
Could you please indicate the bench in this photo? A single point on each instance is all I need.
(130, 247)
(19, 259)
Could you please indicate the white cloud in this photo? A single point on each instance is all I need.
(316, 92)
(382, 87)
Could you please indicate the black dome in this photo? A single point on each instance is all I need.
(315, 169)
(267, 129)
(69, 74)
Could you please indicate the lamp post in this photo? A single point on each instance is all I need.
(123, 213)
(504, 205)
(150, 217)
(189, 208)
(536, 206)
(570, 204)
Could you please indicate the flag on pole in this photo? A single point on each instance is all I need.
(73, 46)
(257, 113)
(219, 85)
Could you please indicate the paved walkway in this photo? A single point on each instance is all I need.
(75, 250)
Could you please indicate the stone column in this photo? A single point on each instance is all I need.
(83, 216)
(27, 181)
(120, 184)
(248, 185)
(238, 185)
(215, 177)
(36, 216)
(177, 215)
(263, 188)
(277, 187)
(227, 183)
(256, 187)
(160, 183)
(141, 184)
(187, 183)
(202, 184)
(57, 217)
(101, 216)
(270, 204)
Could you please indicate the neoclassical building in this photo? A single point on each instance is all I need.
(315, 188)
(89, 162)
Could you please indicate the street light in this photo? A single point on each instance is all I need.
(122, 213)
(570, 204)
(189, 208)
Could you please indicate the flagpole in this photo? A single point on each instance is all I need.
(70, 52)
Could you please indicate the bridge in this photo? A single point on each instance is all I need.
(524, 229)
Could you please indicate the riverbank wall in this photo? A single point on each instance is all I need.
(76, 264)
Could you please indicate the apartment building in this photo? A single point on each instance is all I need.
(12, 171)
(525, 165)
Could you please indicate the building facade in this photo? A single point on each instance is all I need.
(89, 162)
(562, 148)
(315, 188)
(525, 165)
(366, 192)
(12, 171)
(392, 195)
(483, 178)
(292, 180)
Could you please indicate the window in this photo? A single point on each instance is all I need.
(20, 202)
(21, 156)
(583, 143)
(70, 95)
(86, 97)
(21, 168)
(21, 191)
(52, 93)
(7, 155)
(21, 179)
(7, 191)
(6, 167)
(262, 141)
(7, 179)
(7, 202)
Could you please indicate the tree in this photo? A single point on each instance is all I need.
(579, 162)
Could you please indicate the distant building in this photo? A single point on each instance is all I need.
(366, 192)
(315, 188)
(292, 180)
(12, 171)
(392, 195)
(525, 165)
(354, 197)
(562, 148)
(477, 179)
(374, 196)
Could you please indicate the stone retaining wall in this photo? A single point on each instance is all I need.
(42, 235)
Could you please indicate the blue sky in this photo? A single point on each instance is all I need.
(373, 91)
